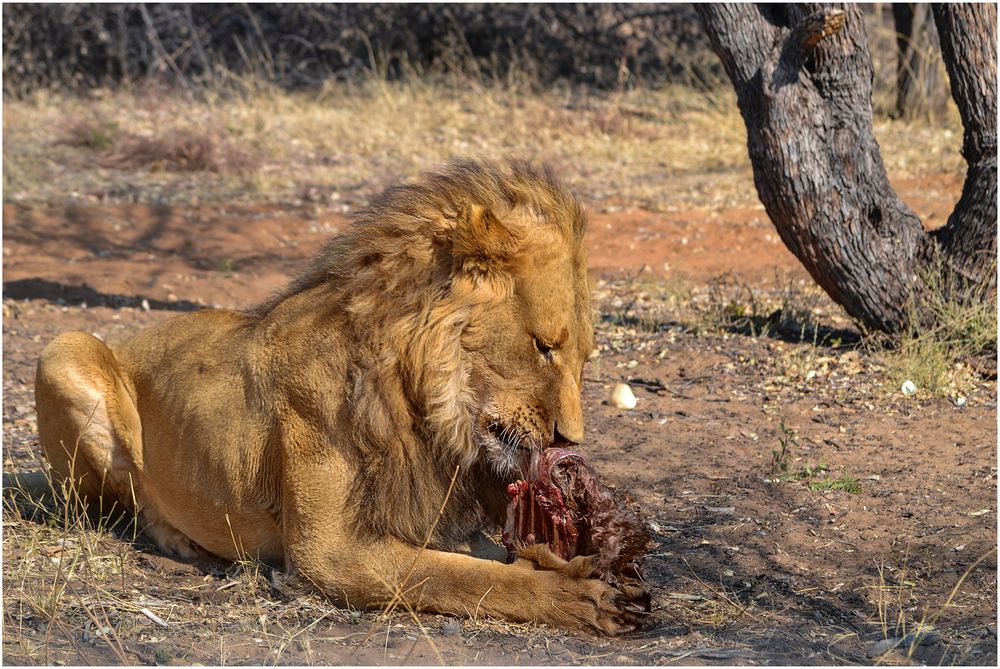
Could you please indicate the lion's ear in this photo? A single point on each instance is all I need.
(483, 245)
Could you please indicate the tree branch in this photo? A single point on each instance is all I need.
(969, 49)
(790, 54)
(740, 37)
(816, 27)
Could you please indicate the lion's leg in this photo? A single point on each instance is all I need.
(88, 426)
(542, 588)
(90, 432)
(323, 546)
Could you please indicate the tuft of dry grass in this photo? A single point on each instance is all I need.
(61, 562)
(905, 621)
(97, 135)
(949, 345)
(178, 149)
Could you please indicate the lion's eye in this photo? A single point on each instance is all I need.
(544, 349)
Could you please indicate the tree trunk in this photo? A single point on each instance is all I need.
(969, 48)
(803, 79)
(918, 87)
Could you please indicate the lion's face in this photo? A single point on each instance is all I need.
(527, 356)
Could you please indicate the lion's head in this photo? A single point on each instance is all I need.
(526, 349)
(463, 301)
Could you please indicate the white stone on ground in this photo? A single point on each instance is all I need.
(622, 397)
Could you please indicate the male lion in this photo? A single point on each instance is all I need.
(423, 355)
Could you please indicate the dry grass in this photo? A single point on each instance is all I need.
(76, 592)
(61, 564)
(659, 150)
(178, 150)
(908, 623)
(954, 346)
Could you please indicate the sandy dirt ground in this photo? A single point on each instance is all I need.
(735, 451)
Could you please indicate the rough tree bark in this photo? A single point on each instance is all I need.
(803, 80)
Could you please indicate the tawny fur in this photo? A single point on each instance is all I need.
(440, 337)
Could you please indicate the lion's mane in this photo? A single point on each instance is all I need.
(412, 279)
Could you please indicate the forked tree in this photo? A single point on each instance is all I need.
(803, 80)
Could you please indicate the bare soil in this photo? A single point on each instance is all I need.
(758, 560)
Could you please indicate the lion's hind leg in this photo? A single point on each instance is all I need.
(90, 432)
(88, 425)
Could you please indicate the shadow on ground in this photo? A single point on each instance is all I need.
(61, 293)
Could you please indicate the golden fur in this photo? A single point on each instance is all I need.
(438, 340)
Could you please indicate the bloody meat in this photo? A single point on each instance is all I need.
(563, 503)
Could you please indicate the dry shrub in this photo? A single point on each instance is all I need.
(177, 150)
(77, 46)
(88, 134)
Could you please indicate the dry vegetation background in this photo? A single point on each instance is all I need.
(314, 109)
(632, 109)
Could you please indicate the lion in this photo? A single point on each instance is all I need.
(359, 428)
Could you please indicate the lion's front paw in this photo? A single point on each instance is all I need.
(571, 597)
(594, 604)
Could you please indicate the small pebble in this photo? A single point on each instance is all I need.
(925, 638)
(451, 627)
(622, 397)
